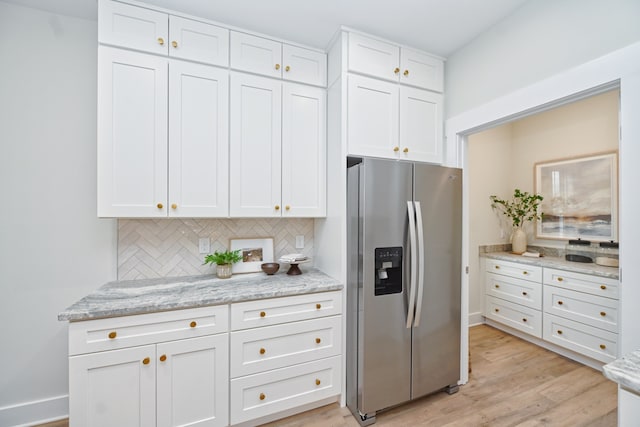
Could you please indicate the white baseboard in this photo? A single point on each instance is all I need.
(36, 412)
(476, 319)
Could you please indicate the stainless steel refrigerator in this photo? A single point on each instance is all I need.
(403, 282)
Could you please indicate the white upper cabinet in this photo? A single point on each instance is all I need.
(132, 134)
(420, 125)
(198, 140)
(133, 27)
(391, 62)
(274, 59)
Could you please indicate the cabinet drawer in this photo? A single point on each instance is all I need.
(514, 269)
(253, 314)
(601, 286)
(586, 308)
(120, 332)
(517, 316)
(593, 342)
(274, 391)
(261, 349)
(518, 291)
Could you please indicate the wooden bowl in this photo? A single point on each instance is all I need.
(270, 267)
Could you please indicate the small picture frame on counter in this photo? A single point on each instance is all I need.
(254, 251)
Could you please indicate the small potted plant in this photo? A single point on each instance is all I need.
(223, 261)
(522, 207)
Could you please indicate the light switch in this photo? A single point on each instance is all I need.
(204, 245)
(300, 242)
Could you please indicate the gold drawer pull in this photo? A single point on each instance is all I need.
(112, 335)
(560, 279)
(602, 313)
(159, 205)
(174, 206)
(406, 72)
(603, 287)
(277, 207)
(193, 324)
(318, 340)
(524, 320)
(277, 66)
(524, 293)
(174, 43)
(559, 332)
(262, 396)
(396, 70)
(160, 41)
(263, 351)
(163, 357)
(287, 68)
(560, 303)
(262, 314)
(406, 150)
(396, 149)
(525, 272)
(146, 361)
(602, 346)
(497, 310)
(497, 267)
(317, 381)
(497, 286)
(318, 306)
(287, 207)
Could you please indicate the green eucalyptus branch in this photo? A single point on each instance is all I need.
(522, 207)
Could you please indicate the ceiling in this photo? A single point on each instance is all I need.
(436, 26)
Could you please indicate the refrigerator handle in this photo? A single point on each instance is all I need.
(420, 256)
(414, 259)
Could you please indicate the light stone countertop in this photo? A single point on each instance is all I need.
(131, 297)
(625, 371)
(559, 263)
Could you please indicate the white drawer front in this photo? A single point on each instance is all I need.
(253, 314)
(514, 269)
(261, 349)
(120, 332)
(519, 291)
(593, 342)
(586, 308)
(601, 286)
(517, 316)
(274, 391)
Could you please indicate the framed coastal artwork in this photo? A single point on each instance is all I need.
(254, 252)
(580, 198)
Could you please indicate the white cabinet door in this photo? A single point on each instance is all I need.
(132, 134)
(198, 140)
(198, 41)
(113, 388)
(420, 125)
(255, 146)
(374, 57)
(193, 381)
(304, 65)
(421, 70)
(373, 117)
(256, 54)
(304, 151)
(135, 27)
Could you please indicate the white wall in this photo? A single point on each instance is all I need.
(539, 40)
(53, 248)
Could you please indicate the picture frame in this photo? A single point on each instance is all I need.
(580, 198)
(254, 252)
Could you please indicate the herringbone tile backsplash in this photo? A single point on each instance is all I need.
(149, 248)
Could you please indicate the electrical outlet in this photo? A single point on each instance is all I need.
(300, 242)
(204, 245)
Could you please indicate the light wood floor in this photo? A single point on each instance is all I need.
(513, 383)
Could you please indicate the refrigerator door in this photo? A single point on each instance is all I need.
(384, 351)
(436, 340)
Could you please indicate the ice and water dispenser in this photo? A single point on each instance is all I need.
(388, 265)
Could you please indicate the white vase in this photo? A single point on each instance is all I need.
(223, 271)
(518, 241)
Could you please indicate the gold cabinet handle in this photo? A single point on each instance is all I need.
(603, 287)
(560, 303)
(262, 396)
(318, 306)
(174, 206)
(277, 207)
(146, 361)
(112, 335)
(263, 351)
(287, 207)
(277, 66)
(193, 324)
(159, 205)
(560, 279)
(317, 381)
(262, 314)
(602, 346)
(497, 310)
(559, 332)
(396, 149)
(160, 41)
(396, 70)
(174, 43)
(602, 313)
(497, 267)
(287, 68)
(318, 340)
(163, 357)
(524, 293)
(406, 73)
(406, 150)
(497, 286)
(525, 272)
(524, 320)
